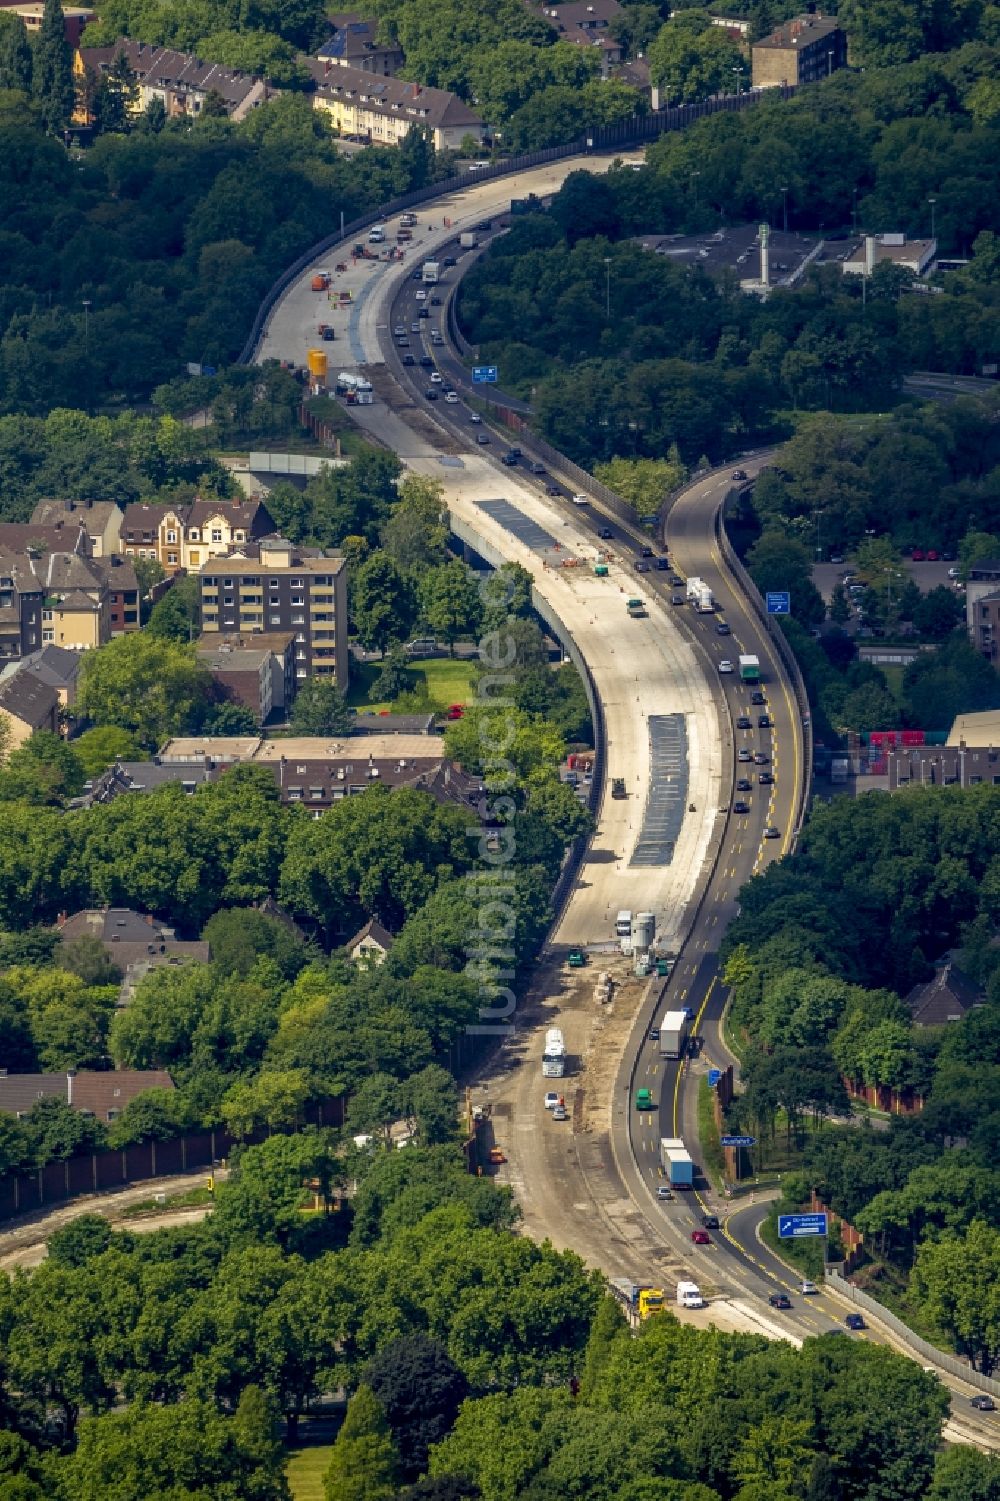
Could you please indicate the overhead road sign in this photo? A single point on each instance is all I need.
(796, 1226)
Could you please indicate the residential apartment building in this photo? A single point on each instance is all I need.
(135, 942)
(63, 599)
(100, 519)
(75, 19)
(586, 23)
(354, 43)
(102, 1095)
(20, 607)
(186, 536)
(802, 50)
(982, 607)
(274, 586)
(256, 670)
(181, 82)
(383, 111)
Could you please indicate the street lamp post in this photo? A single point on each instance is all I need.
(738, 70)
(933, 203)
(784, 208)
(854, 211)
(829, 63)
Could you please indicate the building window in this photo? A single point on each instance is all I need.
(171, 536)
(216, 534)
(193, 534)
(171, 557)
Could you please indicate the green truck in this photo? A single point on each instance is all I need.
(750, 669)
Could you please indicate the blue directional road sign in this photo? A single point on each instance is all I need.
(714, 1075)
(779, 602)
(794, 1226)
(483, 375)
(738, 1141)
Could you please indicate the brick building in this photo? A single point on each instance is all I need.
(803, 50)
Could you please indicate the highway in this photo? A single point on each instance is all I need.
(590, 1183)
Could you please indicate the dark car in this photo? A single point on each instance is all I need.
(676, 580)
(641, 566)
(764, 721)
(515, 451)
(485, 224)
(435, 302)
(780, 1300)
(408, 359)
(552, 490)
(757, 697)
(743, 785)
(765, 779)
(760, 759)
(449, 260)
(605, 532)
(739, 474)
(426, 361)
(744, 722)
(509, 459)
(425, 312)
(662, 565)
(722, 629)
(418, 275)
(647, 552)
(710, 1221)
(855, 1321)
(740, 806)
(678, 599)
(431, 394)
(984, 1403)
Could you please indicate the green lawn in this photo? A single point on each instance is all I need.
(713, 1159)
(305, 1469)
(436, 683)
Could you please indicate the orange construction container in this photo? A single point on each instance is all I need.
(320, 283)
(316, 359)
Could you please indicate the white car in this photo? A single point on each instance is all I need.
(725, 665)
(475, 417)
(953, 573)
(398, 331)
(808, 1287)
(421, 295)
(551, 1100)
(451, 396)
(415, 328)
(437, 379)
(663, 1193)
(581, 500)
(560, 1113)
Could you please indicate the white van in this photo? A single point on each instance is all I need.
(376, 235)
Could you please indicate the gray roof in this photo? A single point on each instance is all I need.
(63, 534)
(161, 67)
(392, 724)
(92, 1092)
(945, 998)
(28, 699)
(392, 96)
(92, 514)
(800, 31)
(54, 665)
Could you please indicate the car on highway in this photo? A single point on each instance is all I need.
(605, 532)
(425, 312)
(414, 328)
(537, 468)
(738, 474)
(771, 832)
(722, 629)
(688, 1013)
(643, 1099)
(760, 758)
(475, 417)
(482, 438)
(676, 580)
(509, 459)
(807, 1288)
(418, 275)
(710, 1222)
(757, 697)
(701, 1237)
(765, 779)
(449, 260)
(647, 552)
(663, 1193)
(437, 379)
(744, 784)
(451, 396)
(398, 331)
(551, 1100)
(426, 361)
(764, 721)
(678, 599)
(983, 1403)
(552, 490)
(435, 302)
(421, 295)
(725, 665)
(560, 1113)
(743, 754)
(855, 1321)
(408, 359)
(403, 343)
(654, 1034)
(744, 722)
(780, 1300)
(741, 806)
(580, 499)
(431, 394)
(640, 565)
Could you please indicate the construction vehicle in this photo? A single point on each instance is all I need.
(618, 787)
(636, 608)
(576, 959)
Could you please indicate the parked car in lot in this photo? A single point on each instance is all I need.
(560, 1113)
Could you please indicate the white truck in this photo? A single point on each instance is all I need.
(689, 1295)
(430, 273)
(467, 239)
(694, 587)
(554, 1054)
(355, 387)
(623, 925)
(376, 235)
(704, 604)
(673, 1034)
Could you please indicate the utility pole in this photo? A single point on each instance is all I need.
(607, 287)
(933, 203)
